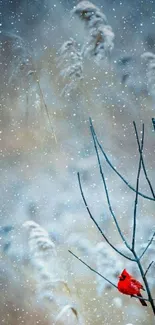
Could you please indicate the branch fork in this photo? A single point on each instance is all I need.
(131, 247)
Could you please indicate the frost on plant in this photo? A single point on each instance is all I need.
(42, 250)
(71, 66)
(44, 260)
(99, 42)
(87, 11)
(98, 45)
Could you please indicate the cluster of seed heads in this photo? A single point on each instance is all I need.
(97, 45)
(99, 42)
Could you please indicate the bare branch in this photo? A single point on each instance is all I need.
(89, 267)
(106, 189)
(95, 222)
(151, 300)
(102, 276)
(137, 187)
(148, 268)
(115, 170)
(143, 164)
(141, 298)
(148, 245)
(132, 248)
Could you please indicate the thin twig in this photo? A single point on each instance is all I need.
(143, 164)
(141, 298)
(46, 108)
(116, 171)
(35, 73)
(98, 227)
(132, 249)
(148, 268)
(148, 245)
(89, 267)
(153, 123)
(137, 187)
(106, 189)
(102, 276)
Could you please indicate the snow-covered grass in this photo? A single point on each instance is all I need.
(39, 183)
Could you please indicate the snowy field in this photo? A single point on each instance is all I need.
(61, 63)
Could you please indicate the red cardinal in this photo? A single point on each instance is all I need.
(130, 286)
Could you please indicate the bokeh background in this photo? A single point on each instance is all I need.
(39, 173)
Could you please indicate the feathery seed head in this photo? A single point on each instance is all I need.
(71, 63)
(99, 42)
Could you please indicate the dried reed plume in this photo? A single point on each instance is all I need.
(150, 61)
(86, 10)
(71, 64)
(41, 248)
(99, 42)
(46, 267)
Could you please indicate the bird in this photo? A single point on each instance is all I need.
(128, 285)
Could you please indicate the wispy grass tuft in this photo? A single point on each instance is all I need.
(97, 45)
(99, 42)
(71, 64)
(50, 287)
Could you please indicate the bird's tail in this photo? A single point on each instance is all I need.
(143, 302)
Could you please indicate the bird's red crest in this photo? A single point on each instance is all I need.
(124, 275)
(124, 272)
